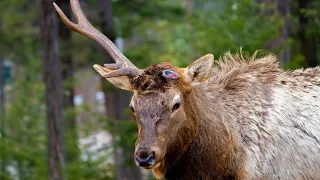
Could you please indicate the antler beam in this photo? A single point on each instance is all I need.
(84, 27)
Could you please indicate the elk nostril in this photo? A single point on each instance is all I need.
(145, 161)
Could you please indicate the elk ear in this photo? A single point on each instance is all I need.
(199, 71)
(121, 82)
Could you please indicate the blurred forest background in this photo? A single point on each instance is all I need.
(60, 120)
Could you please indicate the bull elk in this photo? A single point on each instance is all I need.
(242, 118)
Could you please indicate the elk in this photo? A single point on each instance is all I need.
(239, 118)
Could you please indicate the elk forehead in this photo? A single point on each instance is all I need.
(153, 104)
(156, 98)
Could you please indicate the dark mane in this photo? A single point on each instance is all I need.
(152, 80)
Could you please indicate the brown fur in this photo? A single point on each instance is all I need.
(210, 136)
(152, 80)
(216, 148)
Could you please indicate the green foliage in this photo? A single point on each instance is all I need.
(23, 142)
(228, 25)
(298, 61)
(24, 145)
(313, 32)
(202, 27)
(19, 35)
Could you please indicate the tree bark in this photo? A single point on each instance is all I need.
(282, 10)
(53, 88)
(66, 58)
(116, 99)
(67, 78)
(308, 42)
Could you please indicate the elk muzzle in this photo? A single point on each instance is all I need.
(148, 158)
(145, 158)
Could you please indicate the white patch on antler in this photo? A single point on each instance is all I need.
(100, 70)
(121, 82)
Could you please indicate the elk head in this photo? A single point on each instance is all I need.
(160, 92)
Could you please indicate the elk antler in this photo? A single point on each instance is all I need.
(122, 67)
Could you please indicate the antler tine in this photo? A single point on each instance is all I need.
(84, 27)
(121, 72)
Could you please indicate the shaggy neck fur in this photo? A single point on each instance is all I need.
(252, 121)
(213, 152)
(216, 151)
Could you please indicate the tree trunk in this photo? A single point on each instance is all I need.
(67, 78)
(66, 58)
(116, 99)
(282, 10)
(308, 41)
(53, 87)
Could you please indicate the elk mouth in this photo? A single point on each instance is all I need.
(152, 166)
(147, 163)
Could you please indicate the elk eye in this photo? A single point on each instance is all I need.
(176, 106)
(132, 109)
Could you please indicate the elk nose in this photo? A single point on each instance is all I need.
(145, 159)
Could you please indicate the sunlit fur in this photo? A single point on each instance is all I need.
(249, 120)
